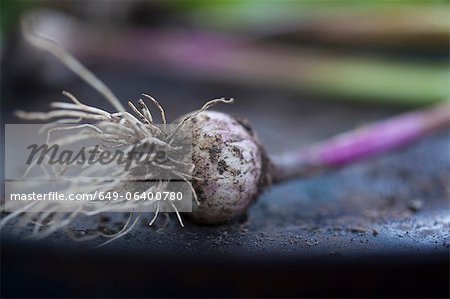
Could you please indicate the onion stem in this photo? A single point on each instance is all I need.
(361, 143)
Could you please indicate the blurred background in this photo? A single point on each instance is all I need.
(301, 71)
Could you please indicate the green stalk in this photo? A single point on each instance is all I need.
(237, 59)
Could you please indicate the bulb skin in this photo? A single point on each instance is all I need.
(230, 167)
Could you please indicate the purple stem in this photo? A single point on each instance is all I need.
(361, 143)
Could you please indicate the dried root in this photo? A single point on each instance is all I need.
(110, 130)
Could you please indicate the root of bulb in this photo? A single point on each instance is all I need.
(111, 130)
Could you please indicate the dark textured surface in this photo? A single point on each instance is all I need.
(377, 228)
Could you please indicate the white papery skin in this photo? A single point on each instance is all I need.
(229, 161)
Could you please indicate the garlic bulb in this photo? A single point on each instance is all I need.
(230, 166)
